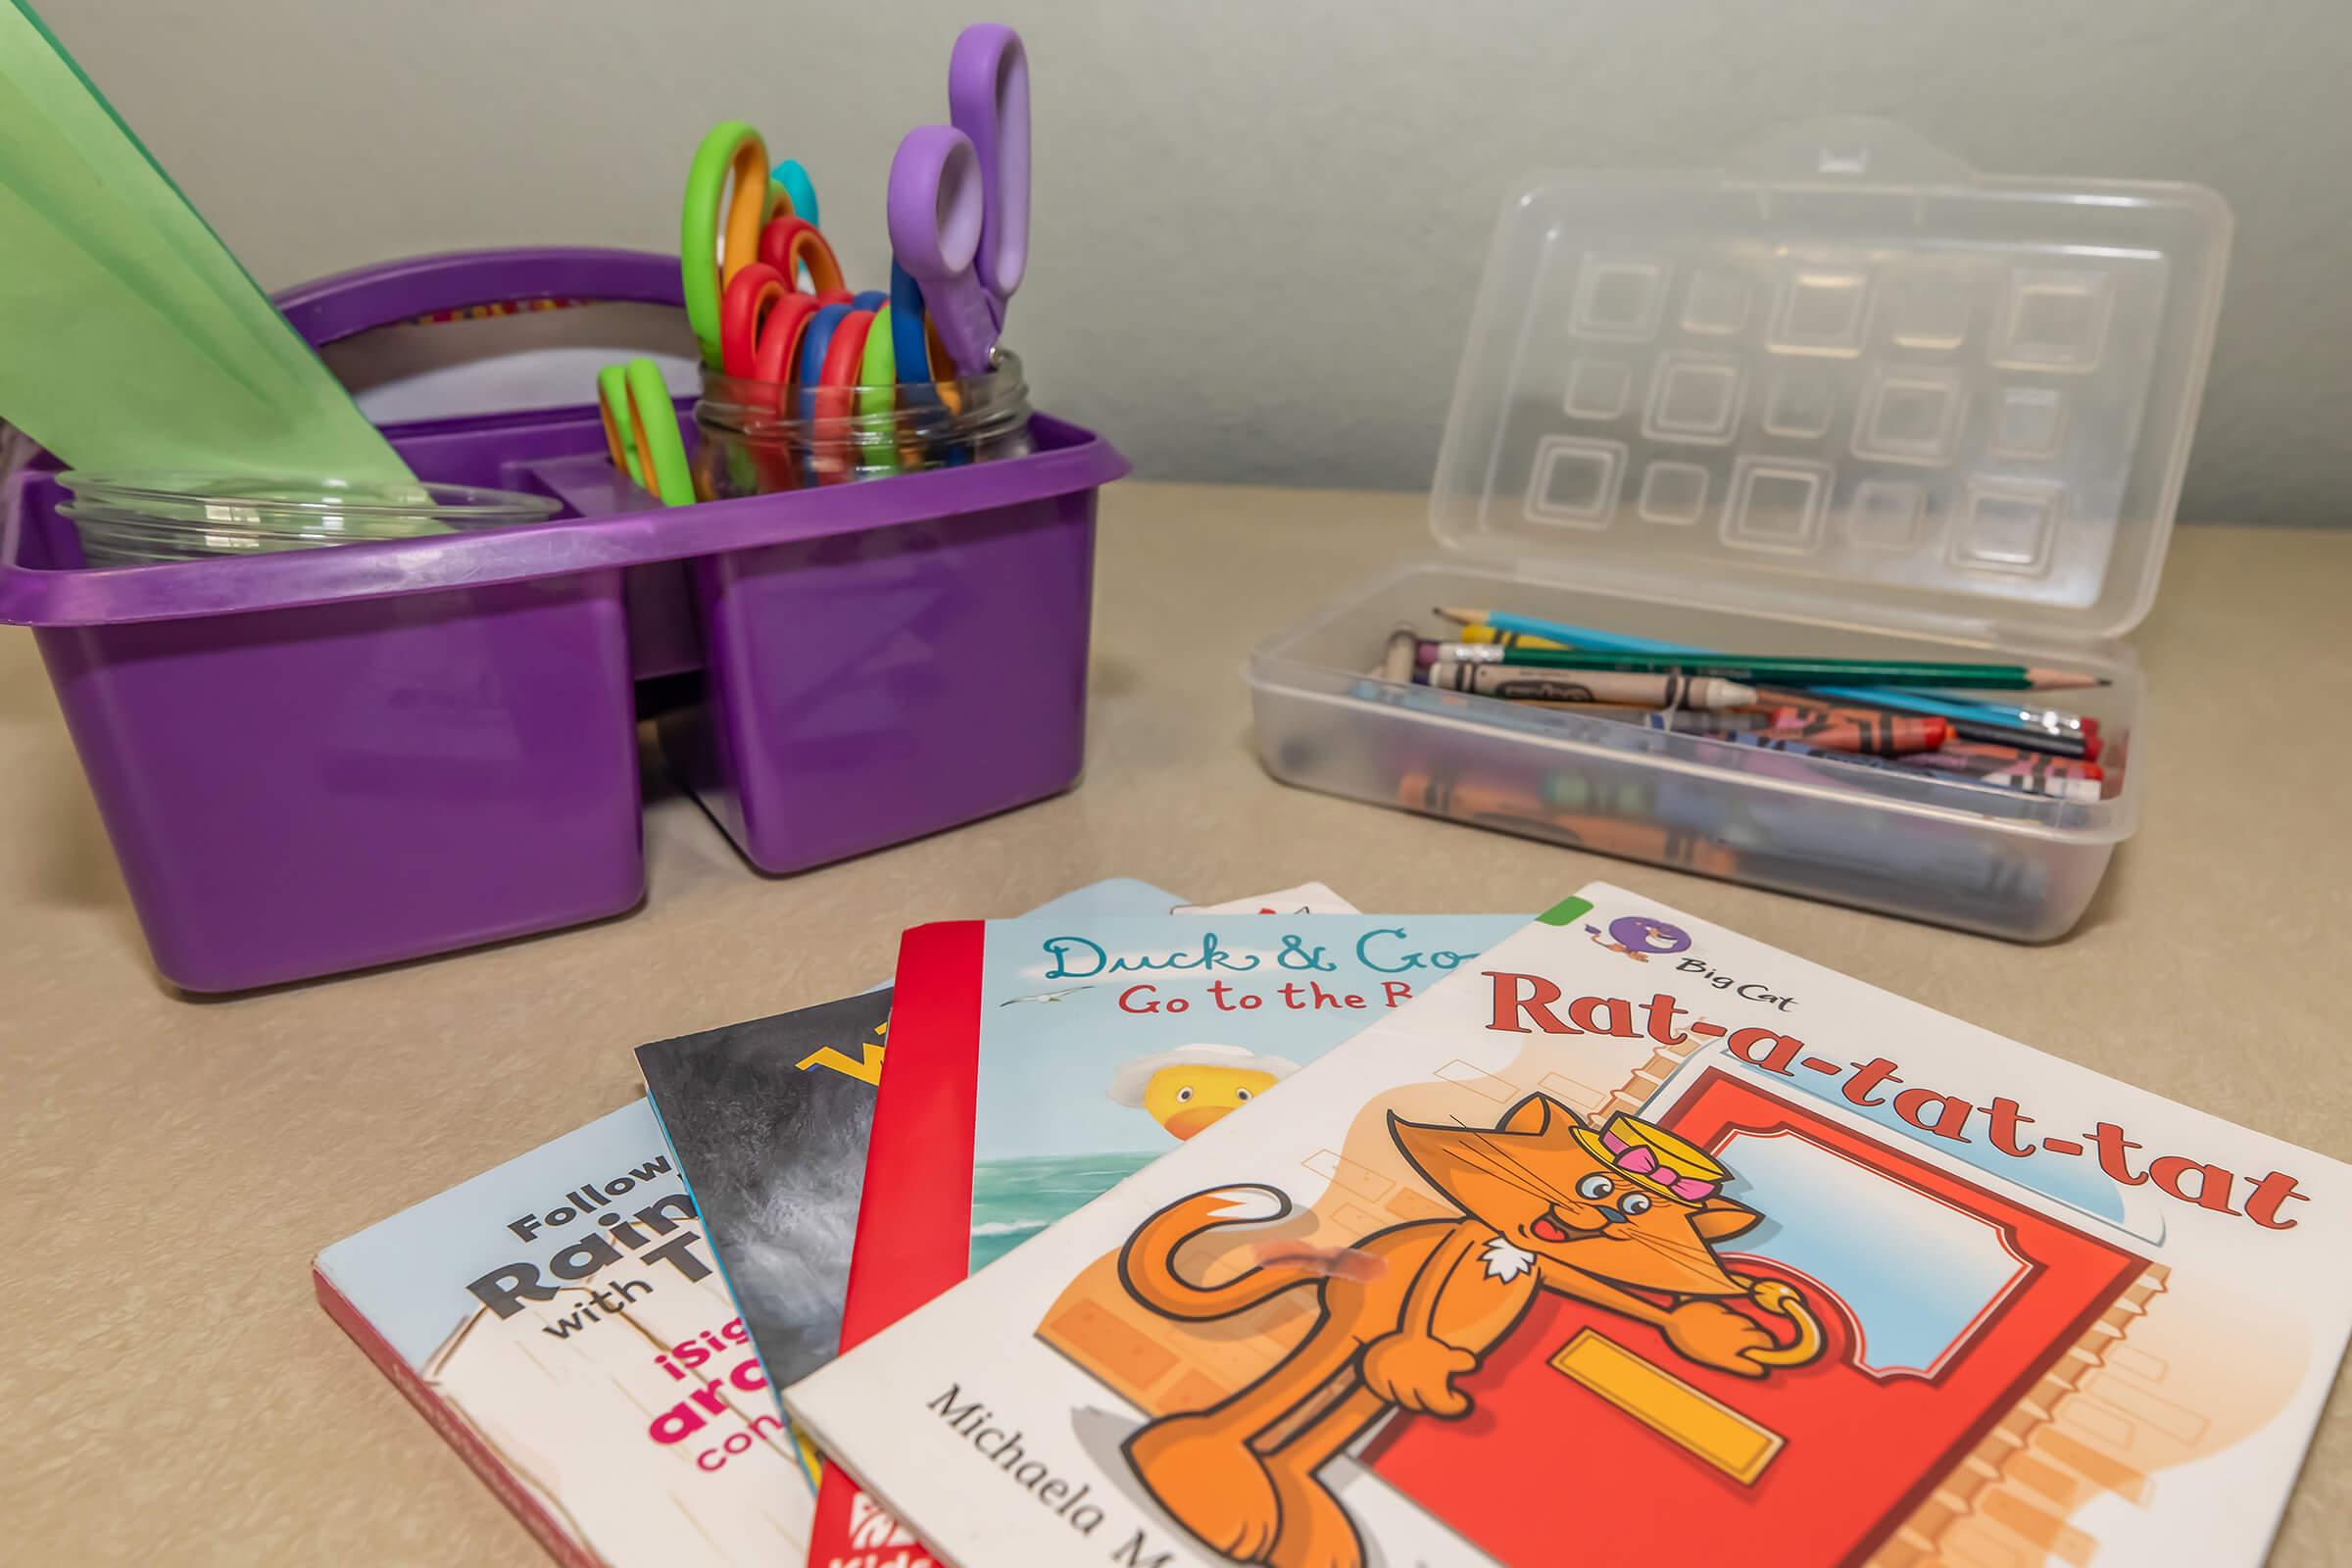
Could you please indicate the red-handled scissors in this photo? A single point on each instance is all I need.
(761, 321)
(789, 242)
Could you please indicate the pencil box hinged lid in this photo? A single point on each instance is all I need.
(1846, 376)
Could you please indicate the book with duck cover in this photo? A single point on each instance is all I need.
(1037, 1062)
(1635, 1241)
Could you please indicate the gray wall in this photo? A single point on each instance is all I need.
(1258, 224)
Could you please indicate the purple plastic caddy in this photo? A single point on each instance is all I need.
(325, 760)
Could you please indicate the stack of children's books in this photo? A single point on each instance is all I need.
(1150, 1234)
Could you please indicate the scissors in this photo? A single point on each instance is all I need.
(877, 394)
(844, 361)
(800, 191)
(834, 449)
(791, 244)
(920, 358)
(641, 430)
(711, 250)
(761, 320)
(959, 196)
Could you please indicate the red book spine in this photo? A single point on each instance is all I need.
(914, 1219)
(560, 1544)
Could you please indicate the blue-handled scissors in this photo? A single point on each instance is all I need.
(959, 196)
(800, 191)
(814, 342)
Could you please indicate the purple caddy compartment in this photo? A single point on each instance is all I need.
(325, 759)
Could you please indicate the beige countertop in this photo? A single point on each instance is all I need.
(173, 1394)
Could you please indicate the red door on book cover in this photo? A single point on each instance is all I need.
(1942, 1303)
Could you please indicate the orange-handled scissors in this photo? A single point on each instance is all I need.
(731, 164)
(641, 430)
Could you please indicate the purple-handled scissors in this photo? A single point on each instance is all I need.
(959, 196)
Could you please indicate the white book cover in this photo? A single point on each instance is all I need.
(1637, 1241)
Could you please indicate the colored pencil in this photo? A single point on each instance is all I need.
(2087, 744)
(2064, 789)
(1590, 686)
(2024, 760)
(1882, 695)
(1772, 668)
(1996, 767)
(2059, 726)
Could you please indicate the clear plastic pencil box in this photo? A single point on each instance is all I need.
(1844, 397)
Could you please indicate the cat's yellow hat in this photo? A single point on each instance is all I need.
(1656, 1158)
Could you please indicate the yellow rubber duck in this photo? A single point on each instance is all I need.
(1192, 1087)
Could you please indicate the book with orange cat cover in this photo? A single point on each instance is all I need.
(1635, 1241)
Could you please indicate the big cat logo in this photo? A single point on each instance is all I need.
(1640, 938)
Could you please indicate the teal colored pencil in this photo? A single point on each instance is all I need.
(1882, 695)
(1768, 669)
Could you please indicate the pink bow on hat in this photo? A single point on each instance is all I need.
(1639, 1160)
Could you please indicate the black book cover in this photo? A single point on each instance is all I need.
(768, 1120)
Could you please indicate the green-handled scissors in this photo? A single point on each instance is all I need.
(641, 430)
(878, 395)
(731, 163)
(713, 247)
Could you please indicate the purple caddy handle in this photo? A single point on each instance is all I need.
(330, 309)
(1068, 462)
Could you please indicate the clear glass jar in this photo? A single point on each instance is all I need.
(757, 437)
(132, 519)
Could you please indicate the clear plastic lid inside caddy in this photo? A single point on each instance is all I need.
(1846, 376)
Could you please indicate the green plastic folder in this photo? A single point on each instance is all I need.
(131, 339)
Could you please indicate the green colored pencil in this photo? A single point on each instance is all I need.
(1771, 668)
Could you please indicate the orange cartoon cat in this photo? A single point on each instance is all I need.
(1547, 1203)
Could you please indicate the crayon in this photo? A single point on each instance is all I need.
(2024, 761)
(1798, 671)
(1397, 663)
(1588, 637)
(1517, 810)
(1679, 720)
(2085, 745)
(2064, 789)
(2078, 790)
(2001, 769)
(1878, 734)
(1616, 795)
(1590, 686)
(2061, 733)
(2066, 786)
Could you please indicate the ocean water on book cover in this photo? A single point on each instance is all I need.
(1636, 1241)
(1105, 1042)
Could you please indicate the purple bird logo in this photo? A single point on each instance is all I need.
(1640, 938)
